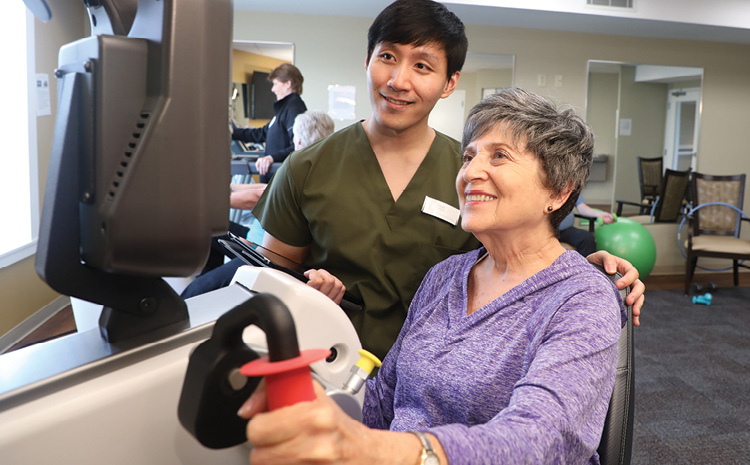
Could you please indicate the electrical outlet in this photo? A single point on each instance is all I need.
(541, 80)
(558, 80)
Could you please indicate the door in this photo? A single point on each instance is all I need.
(681, 133)
(448, 114)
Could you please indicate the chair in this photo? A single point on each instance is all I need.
(714, 230)
(591, 221)
(671, 201)
(650, 180)
(650, 177)
(616, 445)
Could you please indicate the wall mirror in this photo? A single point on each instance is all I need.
(482, 74)
(251, 96)
(640, 110)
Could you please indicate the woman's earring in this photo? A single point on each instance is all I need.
(549, 208)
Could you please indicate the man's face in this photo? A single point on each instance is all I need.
(405, 82)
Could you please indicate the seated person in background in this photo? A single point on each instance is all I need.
(278, 133)
(583, 241)
(309, 127)
(508, 353)
(351, 207)
(245, 196)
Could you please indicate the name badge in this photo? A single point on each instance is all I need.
(442, 210)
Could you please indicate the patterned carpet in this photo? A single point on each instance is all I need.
(692, 368)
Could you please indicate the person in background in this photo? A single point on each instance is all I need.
(278, 134)
(508, 354)
(309, 127)
(583, 241)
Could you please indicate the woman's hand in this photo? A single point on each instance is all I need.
(317, 432)
(629, 274)
(263, 164)
(326, 283)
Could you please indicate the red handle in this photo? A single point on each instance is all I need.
(287, 381)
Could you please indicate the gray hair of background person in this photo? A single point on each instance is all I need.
(560, 139)
(286, 72)
(311, 126)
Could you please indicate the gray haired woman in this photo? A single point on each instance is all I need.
(508, 353)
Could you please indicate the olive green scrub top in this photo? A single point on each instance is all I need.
(332, 196)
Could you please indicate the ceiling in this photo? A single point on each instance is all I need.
(280, 51)
(520, 17)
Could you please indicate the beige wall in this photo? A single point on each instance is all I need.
(601, 115)
(333, 52)
(474, 82)
(22, 291)
(645, 104)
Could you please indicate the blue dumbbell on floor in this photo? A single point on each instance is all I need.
(704, 299)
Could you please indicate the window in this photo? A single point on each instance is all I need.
(19, 189)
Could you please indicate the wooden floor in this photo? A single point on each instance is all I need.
(63, 323)
(60, 324)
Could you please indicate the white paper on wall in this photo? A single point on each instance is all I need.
(341, 101)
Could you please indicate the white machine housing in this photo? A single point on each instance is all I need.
(121, 406)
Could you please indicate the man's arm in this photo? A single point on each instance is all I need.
(319, 279)
(613, 264)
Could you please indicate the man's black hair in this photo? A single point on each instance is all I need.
(420, 22)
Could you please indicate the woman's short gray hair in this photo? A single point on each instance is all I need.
(311, 126)
(560, 139)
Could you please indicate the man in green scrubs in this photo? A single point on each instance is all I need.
(372, 207)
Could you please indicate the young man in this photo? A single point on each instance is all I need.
(373, 207)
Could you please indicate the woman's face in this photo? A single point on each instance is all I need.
(500, 186)
(281, 89)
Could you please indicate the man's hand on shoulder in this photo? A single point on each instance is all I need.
(613, 264)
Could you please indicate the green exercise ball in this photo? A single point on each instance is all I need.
(630, 240)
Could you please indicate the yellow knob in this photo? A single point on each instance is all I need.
(367, 361)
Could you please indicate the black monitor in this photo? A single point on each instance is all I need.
(138, 176)
(262, 97)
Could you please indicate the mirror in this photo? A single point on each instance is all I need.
(251, 97)
(639, 110)
(482, 74)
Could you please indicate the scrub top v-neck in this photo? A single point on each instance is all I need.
(333, 197)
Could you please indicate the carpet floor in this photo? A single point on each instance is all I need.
(692, 379)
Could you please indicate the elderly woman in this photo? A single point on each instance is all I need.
(508, 352)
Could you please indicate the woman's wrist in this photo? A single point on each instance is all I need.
(394, 448)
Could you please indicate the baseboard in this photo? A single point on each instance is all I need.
(33, 322)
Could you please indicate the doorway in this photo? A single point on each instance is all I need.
(681, 130)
